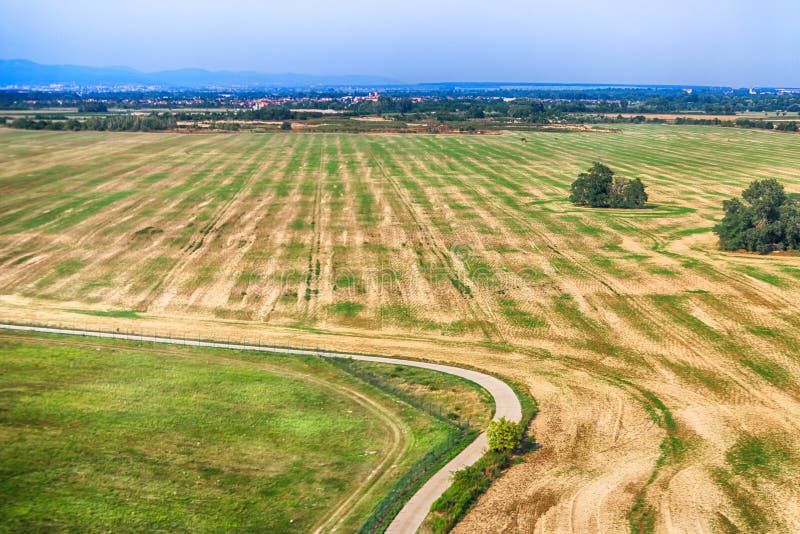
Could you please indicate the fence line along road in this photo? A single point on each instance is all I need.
(411, 516)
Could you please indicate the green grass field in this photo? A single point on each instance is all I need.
(455, 398)
(108, 436)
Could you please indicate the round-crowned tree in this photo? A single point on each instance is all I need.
(504, 435)
(599, 188)
(763, 220)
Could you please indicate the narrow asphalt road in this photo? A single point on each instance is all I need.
(413, 513)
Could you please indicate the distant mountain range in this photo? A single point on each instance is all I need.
(21, 73)
(24, 73)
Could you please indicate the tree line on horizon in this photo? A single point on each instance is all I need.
(112, 123)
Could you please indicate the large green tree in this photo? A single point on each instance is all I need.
(789, 220)
(763, 220)
(599, 188)
(592, 187)
(733, 225)
(627, 193)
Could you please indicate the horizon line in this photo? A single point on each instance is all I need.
(390, 80)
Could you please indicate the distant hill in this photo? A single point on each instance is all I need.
(20, 72)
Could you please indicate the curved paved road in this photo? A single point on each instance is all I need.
(413, 513)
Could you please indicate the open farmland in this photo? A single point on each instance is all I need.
(667, 372)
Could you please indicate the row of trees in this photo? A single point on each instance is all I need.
(91, 106)
(599, 188)
(764, 219)
(112, 123)
(781, 126)
(717, 100)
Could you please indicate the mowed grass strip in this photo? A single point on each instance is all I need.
(457, 399)
(110, 436)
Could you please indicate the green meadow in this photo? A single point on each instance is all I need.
(107, 436)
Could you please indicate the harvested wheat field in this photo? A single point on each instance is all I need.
(667, 371)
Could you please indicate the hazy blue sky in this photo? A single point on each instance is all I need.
(716, 42)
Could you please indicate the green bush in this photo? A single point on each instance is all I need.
(504, 435)
(471, 482)
(468, 485)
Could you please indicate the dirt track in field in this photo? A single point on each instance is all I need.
(652, 354)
